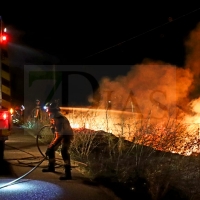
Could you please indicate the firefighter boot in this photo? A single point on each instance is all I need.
(67, 175)
(51, 168)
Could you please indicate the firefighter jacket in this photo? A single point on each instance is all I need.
(62, 129)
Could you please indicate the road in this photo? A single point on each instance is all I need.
(21, 155)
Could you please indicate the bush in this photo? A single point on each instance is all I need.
(158, 162)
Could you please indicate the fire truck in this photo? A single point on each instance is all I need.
(5, 90)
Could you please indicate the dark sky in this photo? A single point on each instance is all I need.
(117, 33)
(104, 33)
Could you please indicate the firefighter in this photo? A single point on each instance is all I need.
(63, 135)
(22, 108)
(37, 110)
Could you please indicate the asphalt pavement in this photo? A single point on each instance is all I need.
(21, 175)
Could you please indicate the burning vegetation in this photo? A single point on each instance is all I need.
(143, 130)
(165, 96)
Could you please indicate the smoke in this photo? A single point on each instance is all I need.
(156, 86)
(192, 63)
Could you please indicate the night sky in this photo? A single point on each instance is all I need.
(115, 33)
(98, 33)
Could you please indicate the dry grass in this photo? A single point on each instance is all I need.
(161, 161)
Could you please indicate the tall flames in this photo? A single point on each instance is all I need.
(165, 95)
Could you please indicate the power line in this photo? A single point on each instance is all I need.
(125, 41)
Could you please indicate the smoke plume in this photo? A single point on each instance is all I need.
(156, 86)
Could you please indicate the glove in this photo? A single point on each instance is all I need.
(49, 150)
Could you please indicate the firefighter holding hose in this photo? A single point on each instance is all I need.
(63, 135)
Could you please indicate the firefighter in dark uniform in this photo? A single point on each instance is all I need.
(37, 113)
(37, 110)
(63, 135)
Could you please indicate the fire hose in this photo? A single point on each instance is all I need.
(24, 175)
(16, 180)
(44, 158)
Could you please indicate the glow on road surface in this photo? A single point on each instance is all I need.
(29, 189)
